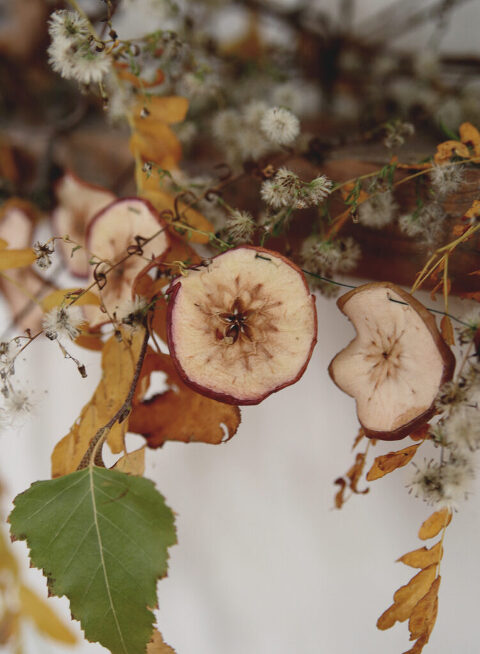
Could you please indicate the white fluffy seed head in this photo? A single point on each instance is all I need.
(378, 211)
(240, 227)
(280, 126)
(70, 53)
(63, 322)
(442, 484)
(446, 178)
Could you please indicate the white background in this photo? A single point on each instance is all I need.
(264, 563)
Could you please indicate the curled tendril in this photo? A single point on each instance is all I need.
(182, 197)
(99, 276)
(138, 247)
(224, 171)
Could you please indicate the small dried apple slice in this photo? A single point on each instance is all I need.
(121, 227)
(395, 364)
(241, 327)
(78, 202)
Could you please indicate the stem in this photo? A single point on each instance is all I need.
(92, 455)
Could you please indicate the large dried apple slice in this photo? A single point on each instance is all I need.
(243, 326)
(121, 227)
(78, 202)
(395, 364)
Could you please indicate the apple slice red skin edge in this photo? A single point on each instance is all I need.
(172, 292)
(93, 187)
(148, 265)
(445, 352)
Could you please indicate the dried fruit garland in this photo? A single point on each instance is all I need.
(239, 326)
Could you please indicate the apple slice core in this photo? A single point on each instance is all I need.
(243, 326)
(397, 362)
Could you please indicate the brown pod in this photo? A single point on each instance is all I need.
(397, 362)
(243, 326)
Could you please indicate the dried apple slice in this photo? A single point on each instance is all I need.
(395, 364)
(241, 327)
(78, 202)
(114, 231)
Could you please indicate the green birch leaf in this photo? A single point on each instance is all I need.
(101, 538)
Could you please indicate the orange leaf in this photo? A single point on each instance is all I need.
(170, 109)
(138, 82)
(446, 328)
(407, 597)
(435, 523)
(387, 463)
(474, 210)
(355, 473)
(470, 136)
(423, 557)
(447, 149)
(339, 495)
(180, 413)
(118, 365)
(423, 618)
(158, 144)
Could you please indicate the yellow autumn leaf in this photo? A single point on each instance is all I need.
(382, 465)
(423, 557)
(474, 210)
(447, 149)
(406, 597)
(132, 463)
(469, 135)
(58, 297)
(424, 614)
(118, 365)
(16, 258)
(447, 332)
(435, 523)
(152, 138)
(158, 646)
(45, 619)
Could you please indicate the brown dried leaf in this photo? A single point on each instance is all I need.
(358, 438)
(179, 414)
(387, 463)
(118, 365)
(435, 523)
(423, 557)
(449, 148)
(355, 473)
(406, 598)
(339, 495)
(470, 136)
(424, 614)
(133, 463)
(158, 646)
(446, 329)
(421, 433)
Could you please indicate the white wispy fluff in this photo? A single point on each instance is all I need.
(63, 322)
(280, 126)
(442, 484)
(378, 211)
(286, 189)
(446, 178)
(132, 312)
(71, 53)
(240, 226)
